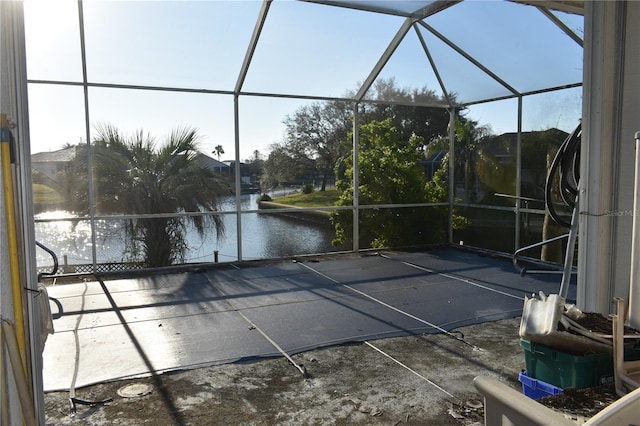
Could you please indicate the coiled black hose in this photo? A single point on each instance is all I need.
(566, 164)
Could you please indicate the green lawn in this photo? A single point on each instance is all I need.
(315, 199)
(44, 194)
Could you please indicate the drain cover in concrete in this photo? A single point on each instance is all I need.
(135, 390)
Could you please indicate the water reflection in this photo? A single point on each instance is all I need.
(278, 236)
(264, 235)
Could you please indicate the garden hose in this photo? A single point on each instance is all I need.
(566, 164)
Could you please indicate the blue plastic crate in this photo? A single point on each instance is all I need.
(536, 389)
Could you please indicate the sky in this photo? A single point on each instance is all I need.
(305, 49)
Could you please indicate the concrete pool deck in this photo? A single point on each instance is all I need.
(420, 325)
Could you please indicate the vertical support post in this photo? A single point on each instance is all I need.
(356, 182)
(87, 126)
(634, 277)
(571, 247)
(257, 30)
(516, 244)
(617, 321)
(452, 186)
(603, 262)
(236, 119)
(13, 100)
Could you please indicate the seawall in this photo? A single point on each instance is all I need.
(318, 216)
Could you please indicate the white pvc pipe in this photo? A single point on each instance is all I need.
(634, 278)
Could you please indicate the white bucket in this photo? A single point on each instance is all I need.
(540, 317)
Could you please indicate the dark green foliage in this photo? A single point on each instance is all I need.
(133, 176)
(286, 166)
(307, 188)
(318, 132)
(426, 122)
(264, 197)
(317, 137)
(390, 173)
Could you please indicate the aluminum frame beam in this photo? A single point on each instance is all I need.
(565, 29)
(429, 9)
(569, 6)
(470, 58)
(434, 67)
(391, 48)
(253, 44)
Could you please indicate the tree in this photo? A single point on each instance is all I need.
(468, 137)
(319, 131)
(134, 176)
(286, 165)
(390, 173)
(255, 166)
(538, 152)
(430, 123)
(218, 150)
(256, 155)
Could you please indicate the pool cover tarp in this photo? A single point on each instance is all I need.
(108, 330)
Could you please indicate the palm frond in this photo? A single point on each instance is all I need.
(134, 175)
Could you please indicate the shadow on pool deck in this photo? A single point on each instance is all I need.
(386, 338)
(429, 381)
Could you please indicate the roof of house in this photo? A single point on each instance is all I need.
(209, 162)
(59, 156)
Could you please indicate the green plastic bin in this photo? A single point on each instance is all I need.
(566, 370)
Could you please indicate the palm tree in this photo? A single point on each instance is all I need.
(468, 136)
(218, 150)
(134, 176)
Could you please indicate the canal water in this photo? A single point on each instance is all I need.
(264, 236)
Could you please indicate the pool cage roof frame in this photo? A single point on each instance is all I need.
(415, 14)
